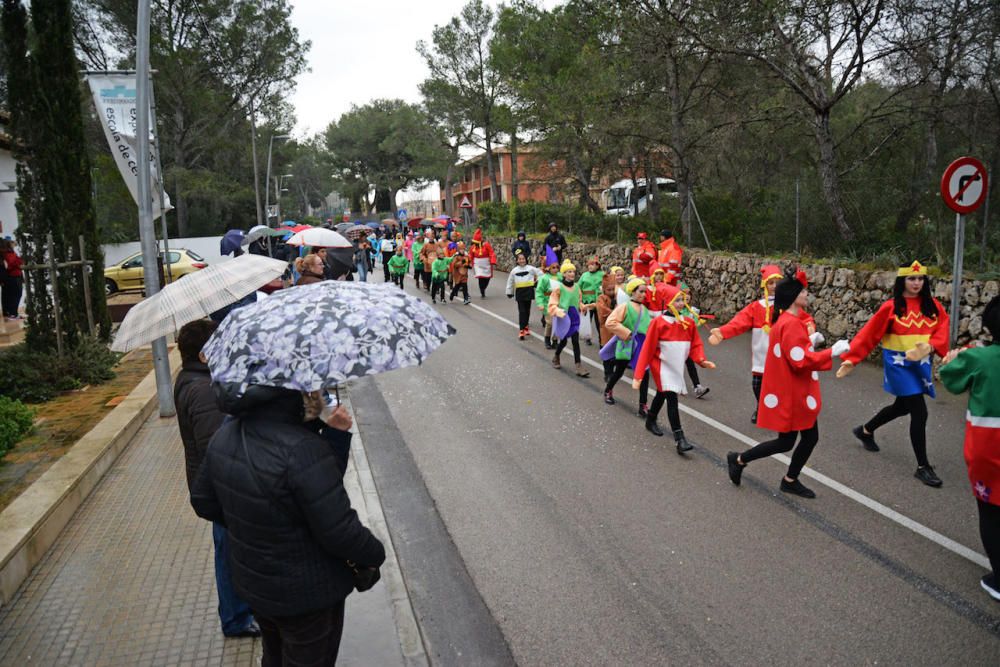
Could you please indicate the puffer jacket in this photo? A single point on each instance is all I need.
(198, 415)
(292, 528)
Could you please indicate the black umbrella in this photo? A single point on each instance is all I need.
(340, 261)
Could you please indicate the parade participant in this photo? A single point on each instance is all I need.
(628, 323)
(605, 304)
(542, 291)
(556, 241)
(756, 318)
(669, 256)
(791, 392)
(659, 292)
(643, 256)
(523, 244)
(418, 264)
(428, 253)
(620, 279)
(521, 287)
(566, 301)
(670, 340)
(484, 261)
(690, 311)
(911, 327)
(439, 276)
(459, 271)
(388, 249)
(590, 287)
(408, 245)
(977, 371)
(398, 266)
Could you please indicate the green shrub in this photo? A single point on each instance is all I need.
(35, 376)
(16, 421)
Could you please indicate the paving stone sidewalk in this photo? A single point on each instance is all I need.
(131, 579)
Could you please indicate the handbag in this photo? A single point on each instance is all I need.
(364, 577)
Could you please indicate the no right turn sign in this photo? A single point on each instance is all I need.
(963, 185)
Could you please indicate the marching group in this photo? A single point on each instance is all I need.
(643, 319)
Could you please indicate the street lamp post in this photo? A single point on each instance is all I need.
(278, 189)
(267, 178)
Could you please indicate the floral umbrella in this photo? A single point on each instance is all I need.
(316, 336)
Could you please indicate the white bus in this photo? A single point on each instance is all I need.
(626, 197)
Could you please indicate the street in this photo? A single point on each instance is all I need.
(592, 542)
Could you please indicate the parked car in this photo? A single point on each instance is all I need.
(127, 274)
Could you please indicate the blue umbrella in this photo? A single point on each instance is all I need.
(316, 336)
(289, 223)
(231, 242)
(373, 225)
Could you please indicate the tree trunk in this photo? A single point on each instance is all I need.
(494, 186)
(449, 205)
(393, 192)
(584, 176)
(514, 193)
(829, 179)
(652, 198)
(180, 162)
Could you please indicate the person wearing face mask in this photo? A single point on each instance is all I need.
(911, 327)
(790, 393)
(566, 308)
(628, 323)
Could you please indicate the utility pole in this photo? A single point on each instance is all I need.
(267, 178)
(256, 174)
(147, 234)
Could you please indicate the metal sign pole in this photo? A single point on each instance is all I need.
(159, 170)
(956, 277)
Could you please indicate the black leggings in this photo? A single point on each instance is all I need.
(692, 371)
(386, 256)
(673, 415)
(915, 406)
(460, 287)
(426, 276)
(437, 286)
(783, 443)
(483, 283)
(417, 272)
(618, 370)
(523, 313)
(989, 531)
(595, 330)
(576, 345)
(757, 380)
(397, 279)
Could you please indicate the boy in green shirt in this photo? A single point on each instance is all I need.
(590, 287)
(439, 276)
(542, 291)
(398, 266)
(418, 264)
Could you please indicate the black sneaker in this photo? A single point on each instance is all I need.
(796, 487)
(735, 469)
(989, 584)
(927, 475)
(753, 417)
(653, 427)
(609, 398)
(682, 443)
(548, 343)
(867, 439)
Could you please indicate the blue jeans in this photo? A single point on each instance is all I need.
(363, 270)
(234, 613)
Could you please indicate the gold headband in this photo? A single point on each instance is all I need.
(915, 269)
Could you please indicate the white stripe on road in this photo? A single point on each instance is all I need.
(872, 504)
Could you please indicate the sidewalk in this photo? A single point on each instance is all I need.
(131, 579)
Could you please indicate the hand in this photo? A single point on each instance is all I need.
(841, 347)
(560, 312)
(707, 364)
(845, 369)
(919, 351)
(950, 357)
(636, 383)
(816, 338)
(715, 336)
(337, 418)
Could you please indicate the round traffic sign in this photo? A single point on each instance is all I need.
(963, 185)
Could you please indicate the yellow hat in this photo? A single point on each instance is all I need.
(616, 269)
(915, 269)
(632, 284)
(567, 266)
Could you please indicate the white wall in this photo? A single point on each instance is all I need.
(8, 195)
(206, 246)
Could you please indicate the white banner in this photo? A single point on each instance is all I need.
(114, 98)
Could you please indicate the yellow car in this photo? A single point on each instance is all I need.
(127, 274)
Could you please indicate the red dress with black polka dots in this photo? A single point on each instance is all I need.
(790, 395)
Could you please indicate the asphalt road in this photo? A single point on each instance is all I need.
(592, 542)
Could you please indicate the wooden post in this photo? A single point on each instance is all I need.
(86, 285)
(54, 275)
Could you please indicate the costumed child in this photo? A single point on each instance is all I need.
(566, 308)
(977, 371)
(484, 261)
(428, 253)
(791, 393)
(542, 291)
(439, 276)
(756, 317)
(690, 311)
(670, 340)
(590, 286)
(459, 271)
(398, 266)
(605, 304)
(620, 280)
(408, 246)
(911, 326)
(521, 287)
(628, 323)
(658, 295)
(418, 264)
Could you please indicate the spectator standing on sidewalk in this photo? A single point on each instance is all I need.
(556, 241)
(198, 418)
(273, 476)
(11, 278)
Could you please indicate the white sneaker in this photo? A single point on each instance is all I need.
(699, 391)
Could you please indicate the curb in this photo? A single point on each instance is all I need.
(34, 520)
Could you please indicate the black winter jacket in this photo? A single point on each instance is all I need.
(523, 245)
(289, 540)
(198, 415)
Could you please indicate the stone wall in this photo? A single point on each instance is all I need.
(842, 299)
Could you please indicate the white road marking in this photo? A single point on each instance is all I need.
(872, 504)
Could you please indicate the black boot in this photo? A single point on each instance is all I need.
(682, 443)
(548, 342)
(653, 427)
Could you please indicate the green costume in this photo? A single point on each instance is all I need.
(569, 297)
(544, 288)
(439, 269)
(590, 285)
(415, 249)
(638, 323)
(398, 265)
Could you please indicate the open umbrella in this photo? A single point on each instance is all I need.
(356, 231)
(341, 226)
(259, 232)
(231, 241)
(373, 225)
(316, 336)
(194, 297)
(414, 224)
(297, 228)
(340, 260)
(319, 238)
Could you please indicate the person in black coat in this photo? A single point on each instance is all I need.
(274, 477)
(198, 418)
(523, 244)
(556, 241)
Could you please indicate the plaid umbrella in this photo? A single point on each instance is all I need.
(194, 297)
(320, 335)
